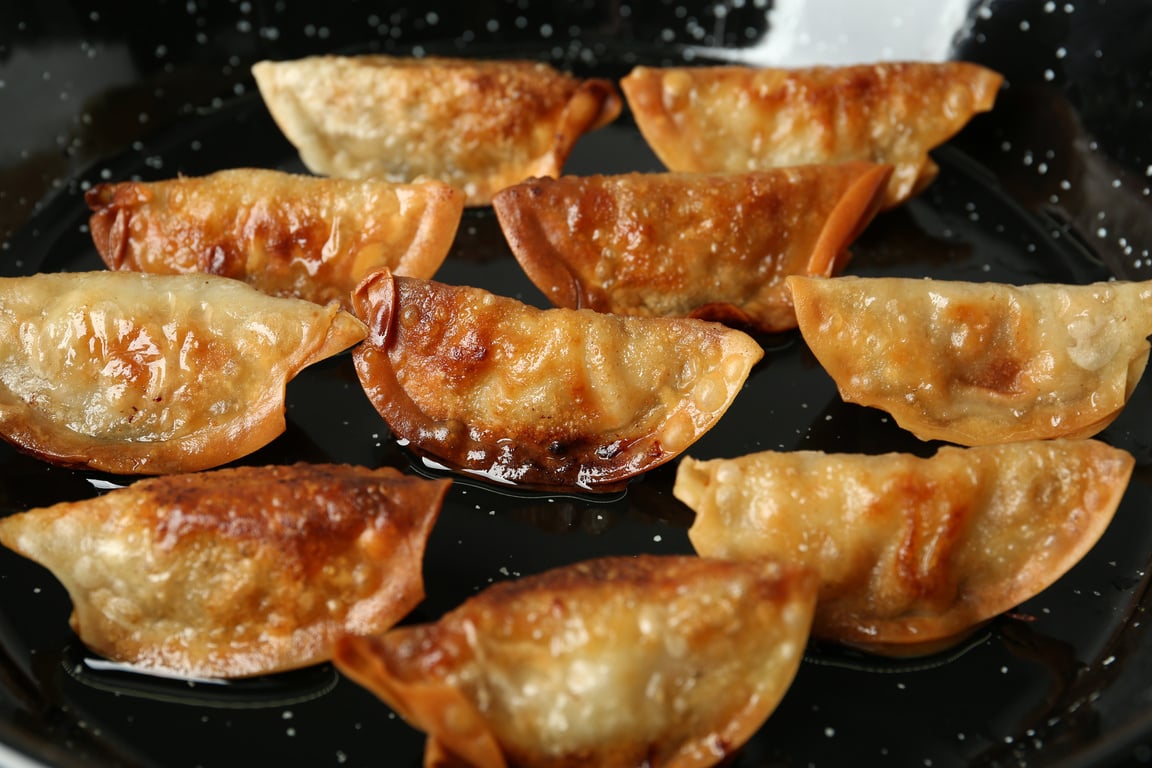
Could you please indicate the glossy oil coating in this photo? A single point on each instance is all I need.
(740, 118)
(1050, 186)
(236, 572)
(285, 234)
(613, 662)
(557, 398)
(152, 374)
(980, 363)
(479, 125)
(713, 246)
(913, 553)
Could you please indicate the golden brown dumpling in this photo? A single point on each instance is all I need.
(479, 125)
(541, 397)
(236, 572)
(717, 247)
(979, 363)
(152, 374)
(614, 663)
(912, 552)
(740, 118)
(284, 234)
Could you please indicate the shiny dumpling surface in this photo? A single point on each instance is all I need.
(236, 572)
(151, 374)
(477, 124)
(285, 234)
(740, 118)
(912, 552)
(980, 363)
(541, 397)
(713, 246)
(614, 662)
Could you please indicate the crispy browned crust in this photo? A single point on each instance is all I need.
(913, 553)
(477, 124)
(284, 234)
(153, 374)
(692, 654)
(980, 363)
(716, 247)
(236, 572)
(546, 398)
(739, 118)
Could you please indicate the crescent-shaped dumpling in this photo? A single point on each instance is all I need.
(285, 234)
(152, 374)
(741, 118)
(477, 124)
(979, 363)
(713, 246)
(541, 397)
(236, 572)
(614, 663)
(913, 553)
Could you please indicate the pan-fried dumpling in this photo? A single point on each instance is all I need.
(541, 397)
(717, 246)
(913, 553)
(479, 125)
(979, 363)
(614, 663)
(236, 572)
(284, 234)
(740, 118)
(152, 374)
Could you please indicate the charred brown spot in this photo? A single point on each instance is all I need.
(930, 537)
(987, 347)
(997, 374)
(292, 508)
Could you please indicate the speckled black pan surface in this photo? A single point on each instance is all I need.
(1052, 186)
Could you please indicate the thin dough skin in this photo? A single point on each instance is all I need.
(980, 363)
(741, 118)
(152, 374)
(285, 234)
(236, 572)
(711, 246)
(615, 663)
(913, 553)
(478, 125)
(548, 398)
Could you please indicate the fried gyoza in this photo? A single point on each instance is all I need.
(541, 397)
(912, 552)
(979, 363)
(717, 247)
(740, 118)
(616, 662)
(236, 572)
(284, 234)
(152, 374)
(478, 125)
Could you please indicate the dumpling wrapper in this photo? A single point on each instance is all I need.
(236, 572)
(479, 125)
(742, 118)
(615, 662)
(547, 398)
(716, 247)
(152, 374)
(284, 234)
(980, 363)
(913, 553)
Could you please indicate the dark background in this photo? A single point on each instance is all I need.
(1053, 184)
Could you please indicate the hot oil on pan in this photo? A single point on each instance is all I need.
(1032, 681)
